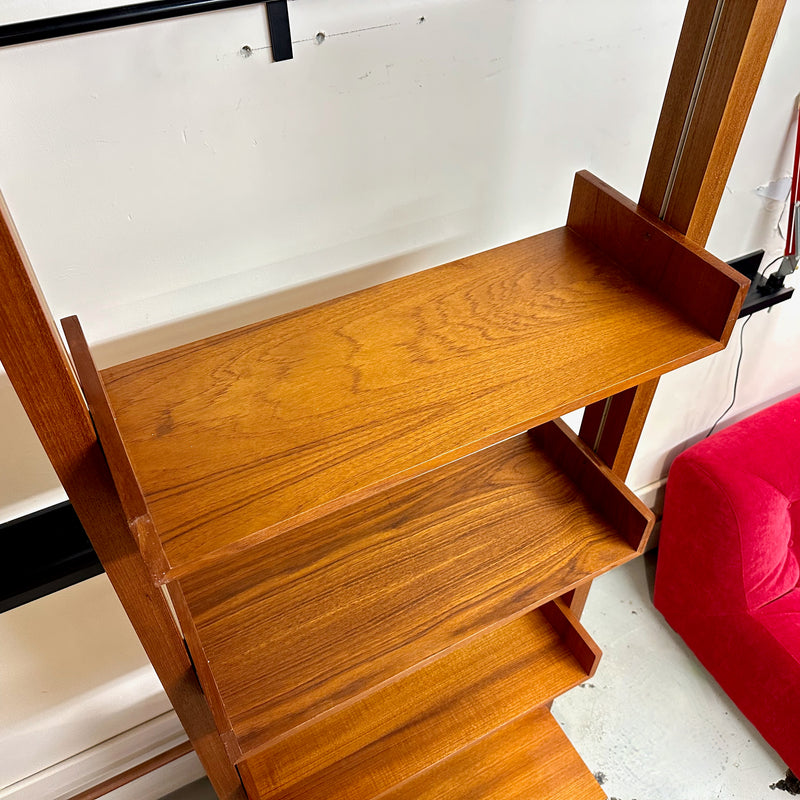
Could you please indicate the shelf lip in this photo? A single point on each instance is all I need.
(407, 577)
(243, 436)
(390, 735)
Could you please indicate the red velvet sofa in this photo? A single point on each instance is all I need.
(728, 574)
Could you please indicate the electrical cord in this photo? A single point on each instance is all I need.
(762, 271)
(736, 376)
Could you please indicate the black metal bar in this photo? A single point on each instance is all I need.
(280, 35)
(102, 19)
(42, 553)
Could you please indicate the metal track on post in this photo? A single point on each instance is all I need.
(687, 122)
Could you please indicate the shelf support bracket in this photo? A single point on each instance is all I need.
(280, 34)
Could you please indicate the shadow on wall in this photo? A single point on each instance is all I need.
(219, 320)
(29, 469)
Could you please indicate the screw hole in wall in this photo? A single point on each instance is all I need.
(246, 51)
(320, 37)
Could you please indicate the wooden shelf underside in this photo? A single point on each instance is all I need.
(325, 613)
(391, 735)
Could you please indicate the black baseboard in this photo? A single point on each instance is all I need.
(42, 553)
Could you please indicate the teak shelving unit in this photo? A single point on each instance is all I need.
(375, 532)
(353, 524)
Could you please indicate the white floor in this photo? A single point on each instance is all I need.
(651, 724)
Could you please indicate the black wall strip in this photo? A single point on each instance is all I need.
(37, 30)
(42, 553)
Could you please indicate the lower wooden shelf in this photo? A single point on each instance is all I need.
(528, 759)
(321, 616)
(406, 727)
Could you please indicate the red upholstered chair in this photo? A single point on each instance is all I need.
(728, 573)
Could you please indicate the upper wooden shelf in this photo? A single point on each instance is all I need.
(235, 438)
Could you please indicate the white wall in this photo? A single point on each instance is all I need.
(167, 187)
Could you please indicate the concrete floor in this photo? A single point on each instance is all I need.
(651, 724)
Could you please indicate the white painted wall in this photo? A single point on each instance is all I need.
(167, 187)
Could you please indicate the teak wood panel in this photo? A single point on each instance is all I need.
(528, 759)
(687, 69)
(708, 291)
(321, 615)
(613, 431)
(125, 481)
(406, 727)
(258, 430)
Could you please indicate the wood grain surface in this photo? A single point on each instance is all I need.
(258, 430)
(600, 487)
(736, 63)
(685, 75)
(614, 431)
(407, 726)
(528, 759)
(128, 489)
(707, 291)
(325, 613)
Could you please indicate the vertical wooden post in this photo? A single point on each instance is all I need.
(693, 152)
(34, 359)
(721, 54)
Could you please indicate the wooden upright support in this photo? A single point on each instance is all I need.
(40, 372)
(718, 65)
(720, 58)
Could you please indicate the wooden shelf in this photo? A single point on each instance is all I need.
(370, 746)
(528, 759)
(319, 616)
(231, 440)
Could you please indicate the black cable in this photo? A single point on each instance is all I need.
(762, 271)
(736, 377)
